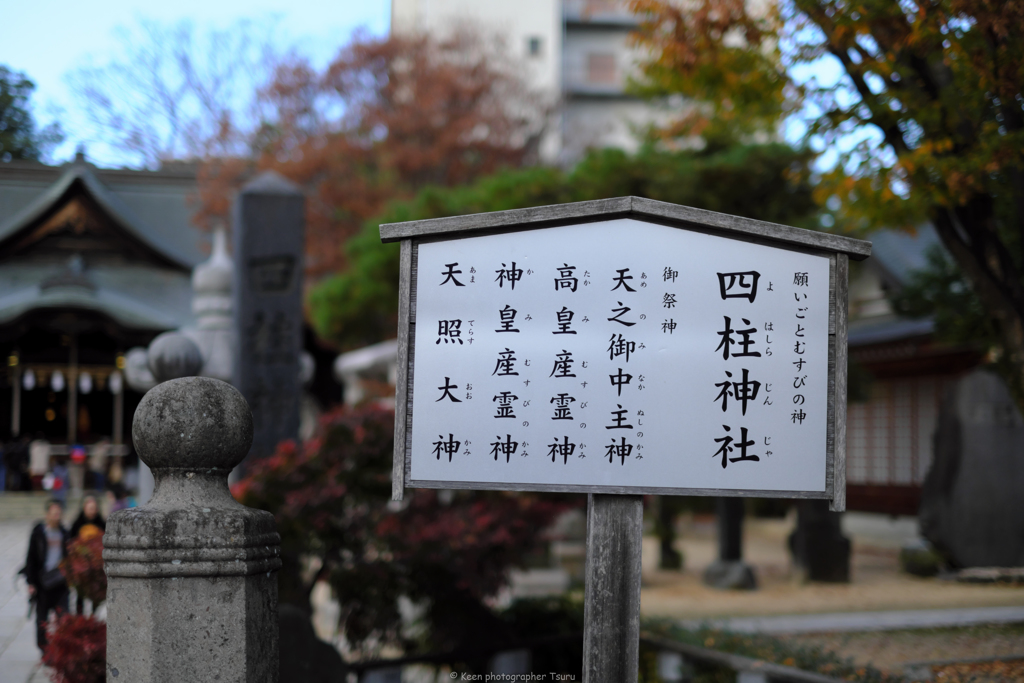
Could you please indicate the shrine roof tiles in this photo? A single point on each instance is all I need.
(152, 207)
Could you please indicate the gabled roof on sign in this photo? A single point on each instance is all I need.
(628, 207)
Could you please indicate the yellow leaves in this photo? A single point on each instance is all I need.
(868, 201)
(959, 88)
(716, 52)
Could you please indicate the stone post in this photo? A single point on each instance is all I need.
(268, 223)
(820, 550)
(669, 557)
(729, 570)
(971, 499)
(192, 592)
(170, 356)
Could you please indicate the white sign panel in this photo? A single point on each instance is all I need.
(622, 354)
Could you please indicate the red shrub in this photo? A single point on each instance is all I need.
(83, 568)
(332, 500)
(77, 650)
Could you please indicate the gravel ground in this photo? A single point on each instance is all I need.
(877, 583)
(891, 650)
(994, 672)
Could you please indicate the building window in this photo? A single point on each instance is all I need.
(601, 68)
(601, 7)
(533, 46)
(889, 437)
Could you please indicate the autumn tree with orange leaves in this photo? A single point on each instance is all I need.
(384, 119)
(387, 117)
(939, 84)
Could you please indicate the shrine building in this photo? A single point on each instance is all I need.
(93, 262)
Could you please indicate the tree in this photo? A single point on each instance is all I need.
(768, 182)
(178, 93)
(331, 499)
(933, 89)
(384, 119)
(19, 138)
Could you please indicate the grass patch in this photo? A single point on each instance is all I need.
(776, 650)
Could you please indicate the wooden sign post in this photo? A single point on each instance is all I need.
(621, 347)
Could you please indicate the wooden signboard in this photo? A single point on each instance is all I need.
(627, 347)
(622, 346)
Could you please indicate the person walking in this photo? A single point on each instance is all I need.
(119, 498)
(76, 470)
(39, 460)
(58, 479)
(88, 524)
(16, 458)
(99, 453)
(47, 546)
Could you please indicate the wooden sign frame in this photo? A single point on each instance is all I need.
(837, 249)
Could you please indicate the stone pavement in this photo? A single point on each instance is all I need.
(19, 658)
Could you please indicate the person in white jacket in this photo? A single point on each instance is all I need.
(38, 459)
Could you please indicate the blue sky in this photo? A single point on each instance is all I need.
(48, 38)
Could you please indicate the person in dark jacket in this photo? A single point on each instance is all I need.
(47, 546)
(87, 525)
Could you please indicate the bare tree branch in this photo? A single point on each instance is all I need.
(176, 92)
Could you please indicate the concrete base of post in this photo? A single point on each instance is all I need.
(203, 628)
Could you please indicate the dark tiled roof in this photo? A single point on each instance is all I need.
(152, 206)
(139, 297)
(875, 331)
(900, 253)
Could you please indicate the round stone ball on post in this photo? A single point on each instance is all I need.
(192, 585)
(173, 355)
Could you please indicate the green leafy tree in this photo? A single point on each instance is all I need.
(767, 182)
(19, 138)
(931, 88)
(942, 292)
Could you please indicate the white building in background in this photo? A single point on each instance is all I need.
(576, 52)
